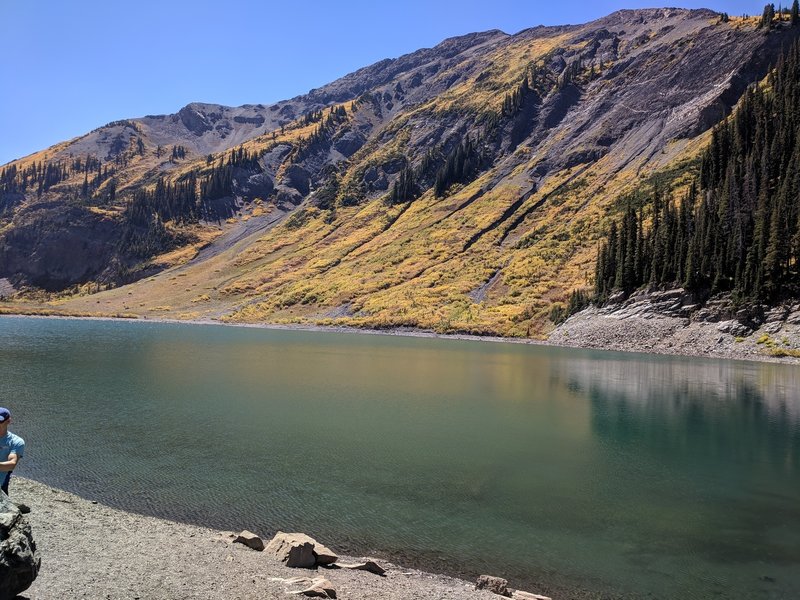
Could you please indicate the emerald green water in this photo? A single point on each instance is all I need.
(561, 470)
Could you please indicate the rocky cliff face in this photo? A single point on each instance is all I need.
(393, 195)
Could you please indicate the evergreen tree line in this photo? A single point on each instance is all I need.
(538, 82)
(411, 182)
(178, 153)
(769, 14)
(176, 202)
(405, 188)
(41, 176)
(217, 181)
(461, 165)
(187, 200)
(322, 135)
(737, 229)
(315, 116)
(514, 100)
(146, 239)
(466, 160)
(578, 300)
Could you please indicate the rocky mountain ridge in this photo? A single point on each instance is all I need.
(208, 128)
(458, 188)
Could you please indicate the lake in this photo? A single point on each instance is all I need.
(626, 474)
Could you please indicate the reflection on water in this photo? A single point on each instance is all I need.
(559, 469)
(685, 410)
(713, 449)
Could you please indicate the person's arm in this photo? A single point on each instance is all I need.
(9, 464)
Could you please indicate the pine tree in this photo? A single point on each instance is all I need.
(461, 166)
(768, 16)
(404, 188)
(795, 14)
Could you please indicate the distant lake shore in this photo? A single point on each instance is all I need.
(634, 344)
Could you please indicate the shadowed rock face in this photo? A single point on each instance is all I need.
(19, 563)
(663, 75)
(55, 246)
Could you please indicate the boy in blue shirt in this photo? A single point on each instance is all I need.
(12, 448)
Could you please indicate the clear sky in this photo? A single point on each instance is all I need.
(69, 66)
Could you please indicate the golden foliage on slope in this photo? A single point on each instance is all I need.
(452, 264)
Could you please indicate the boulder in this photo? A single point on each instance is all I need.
(496, 585)
(323, 554)
(259, 185)
(302, 548)
(740, 330)
(19, 561)
(369, 565)
(250, 539)
(319, 588)
(292, 550)
(777, 314)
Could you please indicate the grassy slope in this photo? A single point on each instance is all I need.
(398, 266)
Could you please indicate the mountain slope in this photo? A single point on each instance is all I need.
(460, 188)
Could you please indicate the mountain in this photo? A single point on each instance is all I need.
(463, 188)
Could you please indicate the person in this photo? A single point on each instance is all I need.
(12, 448)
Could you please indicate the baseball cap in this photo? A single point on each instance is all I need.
(5, 415)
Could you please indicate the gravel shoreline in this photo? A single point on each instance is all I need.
(664, 323)
(89, 550)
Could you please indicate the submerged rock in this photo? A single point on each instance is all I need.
(19, 561)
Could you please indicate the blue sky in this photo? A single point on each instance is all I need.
(69, 67)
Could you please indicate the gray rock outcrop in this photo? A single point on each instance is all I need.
(19, 562)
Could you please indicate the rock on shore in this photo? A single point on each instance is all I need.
(670, 322)
(19, 561)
